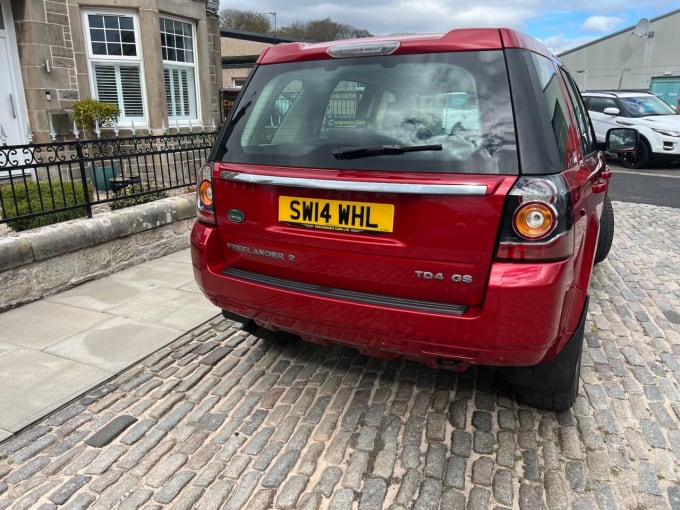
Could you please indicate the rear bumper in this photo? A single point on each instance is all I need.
(525, 317)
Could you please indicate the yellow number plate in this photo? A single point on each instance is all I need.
(336, 214)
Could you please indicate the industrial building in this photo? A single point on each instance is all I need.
(642, 57)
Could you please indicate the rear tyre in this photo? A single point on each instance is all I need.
(638, 159)
(552, 385)
(604, 242)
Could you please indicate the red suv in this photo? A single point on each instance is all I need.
(433, 197)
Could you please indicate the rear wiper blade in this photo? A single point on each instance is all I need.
(366, 152)
(240, 113)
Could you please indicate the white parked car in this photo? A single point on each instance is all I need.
(655, 120)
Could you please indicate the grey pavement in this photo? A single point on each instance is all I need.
(57, 348)
(218, 418)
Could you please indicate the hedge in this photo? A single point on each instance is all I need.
(32, 198)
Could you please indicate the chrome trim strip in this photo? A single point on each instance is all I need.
(375, 187)
(349, 295)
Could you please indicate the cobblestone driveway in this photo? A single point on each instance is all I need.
(221, 419)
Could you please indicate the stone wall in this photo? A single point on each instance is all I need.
(47, 260)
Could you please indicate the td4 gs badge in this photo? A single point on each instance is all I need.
(456, 278)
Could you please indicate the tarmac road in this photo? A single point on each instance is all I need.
(659, 185)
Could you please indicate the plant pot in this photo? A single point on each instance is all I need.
(100, 175)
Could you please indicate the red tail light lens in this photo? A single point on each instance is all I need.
(537, 221)
(205, 210)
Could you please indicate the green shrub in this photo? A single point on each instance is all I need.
(129, 201)
(28, 199)
(86, 111)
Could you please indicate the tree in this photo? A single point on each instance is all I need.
(316, 30)
(294, 31)
(248, 21)
(329, 30)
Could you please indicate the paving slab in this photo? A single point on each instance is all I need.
(114, 344)
(5, 348)
(43, 382)
(168, 305)
(171, 273)
(103, 294)
(43, 323)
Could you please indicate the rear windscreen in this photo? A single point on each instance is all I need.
(442, 112)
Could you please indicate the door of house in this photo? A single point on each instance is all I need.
(9, 95)
(13, 125)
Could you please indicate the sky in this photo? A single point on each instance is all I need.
(559, 24)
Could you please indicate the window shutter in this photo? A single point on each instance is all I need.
(168, 92)
(180, 92)
(185, 88)
(105, 78)
(131, 84)
(120, 84)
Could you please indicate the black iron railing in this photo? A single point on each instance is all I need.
(47, 179)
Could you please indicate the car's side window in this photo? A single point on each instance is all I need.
(586, 133)
(555, 102)
(598, 104)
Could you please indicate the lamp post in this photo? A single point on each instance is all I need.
(273, 14)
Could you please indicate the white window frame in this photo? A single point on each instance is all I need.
(124, 120)
(183, 120)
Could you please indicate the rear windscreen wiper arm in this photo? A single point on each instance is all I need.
(365, 152)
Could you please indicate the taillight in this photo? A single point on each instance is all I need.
(534, 220)
(205, 209)
(537, 221)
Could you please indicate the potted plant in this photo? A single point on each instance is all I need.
(91, 114)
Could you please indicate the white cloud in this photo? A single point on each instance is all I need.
(559, 43)
(601, 24)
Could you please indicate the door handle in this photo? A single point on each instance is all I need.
(11, 102)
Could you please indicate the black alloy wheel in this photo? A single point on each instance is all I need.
(638, 159)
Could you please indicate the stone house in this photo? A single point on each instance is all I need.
(158, 60)
(239, 51)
